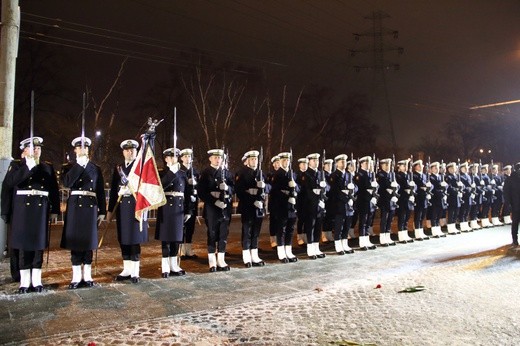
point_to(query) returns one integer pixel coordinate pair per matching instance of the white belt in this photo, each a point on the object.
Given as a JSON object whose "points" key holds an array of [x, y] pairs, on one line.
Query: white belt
{"points": [[83, 193], [32, 192], [174, 194]]}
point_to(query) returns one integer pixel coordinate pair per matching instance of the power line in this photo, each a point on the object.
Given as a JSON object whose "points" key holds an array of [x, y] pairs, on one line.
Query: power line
{"points": [[60, 21], [270, 43]]}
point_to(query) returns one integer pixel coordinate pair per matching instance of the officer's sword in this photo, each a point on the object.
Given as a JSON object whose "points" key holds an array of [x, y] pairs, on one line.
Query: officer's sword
{"points": [[31, 143]]}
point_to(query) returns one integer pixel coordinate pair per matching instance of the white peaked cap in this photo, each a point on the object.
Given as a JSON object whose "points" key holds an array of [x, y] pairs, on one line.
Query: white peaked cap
{"points": [[37, 141], [76, 142], [340, 157], [129, 144]]}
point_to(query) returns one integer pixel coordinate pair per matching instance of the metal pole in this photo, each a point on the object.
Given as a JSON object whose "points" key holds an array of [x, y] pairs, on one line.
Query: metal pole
{"points": [[8, 52]]}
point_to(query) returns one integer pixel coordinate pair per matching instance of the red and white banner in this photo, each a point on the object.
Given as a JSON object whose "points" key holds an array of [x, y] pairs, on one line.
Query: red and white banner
{"points": [[145, 183]]}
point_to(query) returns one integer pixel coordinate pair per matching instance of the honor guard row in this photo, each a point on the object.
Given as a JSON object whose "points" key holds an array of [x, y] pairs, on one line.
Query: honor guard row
{"points": [[322, 204]]}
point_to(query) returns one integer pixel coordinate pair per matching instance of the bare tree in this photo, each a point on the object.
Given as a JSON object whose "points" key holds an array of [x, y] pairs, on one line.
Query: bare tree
{"points": [[215, 96]]}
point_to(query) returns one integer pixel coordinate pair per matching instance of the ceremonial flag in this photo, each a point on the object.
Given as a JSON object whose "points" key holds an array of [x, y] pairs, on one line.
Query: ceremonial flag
{"points": [[144, 182]]}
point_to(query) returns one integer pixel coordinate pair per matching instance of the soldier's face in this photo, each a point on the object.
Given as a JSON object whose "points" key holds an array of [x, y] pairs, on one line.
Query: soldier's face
{"points": [[170, 160], [284, 163], [81, 151], [252, 162], [276, 165], [401, 168], [340, 164], [483, 171], [327, 167], [215, 160], [186, 159], [302, 166], [37, 152], [385, 167], [313, 163], [451, 170], [434, 169], [507, 172], [130, 154], [364, 165], [463, 169], [418, 168]]}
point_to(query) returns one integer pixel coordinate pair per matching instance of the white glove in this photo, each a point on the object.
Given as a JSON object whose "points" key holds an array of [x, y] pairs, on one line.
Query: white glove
{"points": [[459, 195], [394, 184], [428, 184], [100, 219], [323, 184], [193, 199], [220, 204], [260, 184], [223, 186], [389, 191], [482, 182], [408, 191], [316, 191], [493, 182], [292, 200], [411, 183], [82, 160], [472, 196], [373, 201], [500, 188], [444, 184], [174, 168], [473, 185], [192, 181], [186, 217], [123, 190], [460, 184], [215, 194], [321, 204], [350, 186], [445, 198], [259, 204], [370, 191], [345, 192], [53, 218], [292, 183], [394, 199], [412, 199], [350, 203], [374, 184], [428, 197], [30, 162], [252, 191]]}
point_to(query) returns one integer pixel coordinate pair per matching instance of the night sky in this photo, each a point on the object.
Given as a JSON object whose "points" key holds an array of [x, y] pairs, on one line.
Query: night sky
{"points": [[457, 54]]}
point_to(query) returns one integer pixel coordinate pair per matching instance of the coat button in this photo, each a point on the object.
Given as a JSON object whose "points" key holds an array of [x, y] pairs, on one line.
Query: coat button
{"points": [[80, 205]]}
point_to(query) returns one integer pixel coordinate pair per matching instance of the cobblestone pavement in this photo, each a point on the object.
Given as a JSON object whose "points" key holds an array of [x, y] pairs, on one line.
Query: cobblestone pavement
{"points": [[470, 298]]}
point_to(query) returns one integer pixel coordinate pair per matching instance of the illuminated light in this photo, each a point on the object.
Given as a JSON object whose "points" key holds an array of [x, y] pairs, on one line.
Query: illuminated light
{"points": [[98, 133], [481, 151]]}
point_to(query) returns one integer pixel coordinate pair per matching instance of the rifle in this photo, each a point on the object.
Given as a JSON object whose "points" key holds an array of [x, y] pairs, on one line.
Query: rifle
{"points": [[260, 212], [292, 190], [323, 195], [409, 179], [222, 195], [460, 189], [394, 180], [194, 189], [428, 190]]}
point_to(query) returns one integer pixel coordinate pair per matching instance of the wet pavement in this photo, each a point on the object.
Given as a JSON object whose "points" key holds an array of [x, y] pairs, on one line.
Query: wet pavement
{"points": [[470, 297]]}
